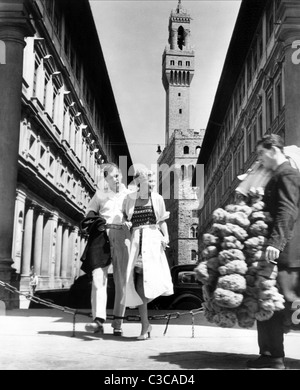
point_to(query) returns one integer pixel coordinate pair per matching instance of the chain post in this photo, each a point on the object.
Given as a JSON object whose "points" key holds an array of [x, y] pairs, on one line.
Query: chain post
{"points": [[193, 324], [74, 321]]}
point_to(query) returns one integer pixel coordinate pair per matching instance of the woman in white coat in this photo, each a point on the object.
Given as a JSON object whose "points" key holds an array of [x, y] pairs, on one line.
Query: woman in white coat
{"points": [[148, 273]]}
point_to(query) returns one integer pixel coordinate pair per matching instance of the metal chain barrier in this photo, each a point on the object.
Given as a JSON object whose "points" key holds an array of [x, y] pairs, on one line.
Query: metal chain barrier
{"points": [[129, 318]]}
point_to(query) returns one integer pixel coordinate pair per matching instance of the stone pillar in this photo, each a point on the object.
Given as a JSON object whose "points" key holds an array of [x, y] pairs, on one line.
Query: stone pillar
{"points": [[14, 26], [83, 243], [27, 248], [73, 253], [58, 249], [65, 251], [174, 37], [38, 242], [187, 36], [18, 230], [48, 247]]}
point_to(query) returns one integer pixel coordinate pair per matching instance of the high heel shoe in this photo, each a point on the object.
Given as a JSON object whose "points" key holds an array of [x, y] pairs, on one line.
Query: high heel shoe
{"points": [[146, 335]]}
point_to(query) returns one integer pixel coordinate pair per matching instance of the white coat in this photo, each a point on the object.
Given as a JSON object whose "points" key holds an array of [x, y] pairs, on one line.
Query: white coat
{"points": [[157, 277]]}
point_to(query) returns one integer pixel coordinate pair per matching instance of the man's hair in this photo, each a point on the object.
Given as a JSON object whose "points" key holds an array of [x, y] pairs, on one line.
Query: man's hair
{"points": [[108, 167], [270, 140], [143, 172]]}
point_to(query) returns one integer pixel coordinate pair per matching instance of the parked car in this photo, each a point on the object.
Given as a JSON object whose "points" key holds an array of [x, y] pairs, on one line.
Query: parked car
{"points": [[187, 292]]}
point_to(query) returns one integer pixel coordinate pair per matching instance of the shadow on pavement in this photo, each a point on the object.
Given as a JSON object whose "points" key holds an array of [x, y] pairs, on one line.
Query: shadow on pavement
{"points": [[204, 360], [82, 335]]}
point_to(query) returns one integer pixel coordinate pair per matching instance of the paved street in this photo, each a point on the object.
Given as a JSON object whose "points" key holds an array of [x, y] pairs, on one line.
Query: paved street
{"points": [[41, 339]]}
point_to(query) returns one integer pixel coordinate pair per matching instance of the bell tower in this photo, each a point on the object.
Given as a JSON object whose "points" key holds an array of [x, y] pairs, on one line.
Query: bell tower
{"points": [[178, 71]]}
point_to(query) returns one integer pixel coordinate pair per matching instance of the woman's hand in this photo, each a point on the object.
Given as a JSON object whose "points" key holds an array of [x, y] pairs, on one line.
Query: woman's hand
{"points": [[127, 225], [165, 242]]}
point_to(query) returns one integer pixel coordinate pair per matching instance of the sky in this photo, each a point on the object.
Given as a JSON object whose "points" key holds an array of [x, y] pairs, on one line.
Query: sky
{"points": [[133, 35]]}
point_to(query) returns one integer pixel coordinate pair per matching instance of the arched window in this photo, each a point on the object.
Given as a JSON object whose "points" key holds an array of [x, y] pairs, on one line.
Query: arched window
{"points": [[192, 232], [190, 170], [179, 63], [180, 41], [198, 148], [183, 174], [186, 150], [2, 53]]}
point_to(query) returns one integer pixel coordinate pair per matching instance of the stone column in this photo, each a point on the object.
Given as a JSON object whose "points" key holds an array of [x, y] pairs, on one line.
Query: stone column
{"points": [[58, 249], [48, 247], [65, 251], [18, 230], [27, 248], [38, 242], [73, 253], [187, 35], [14, 26], [174, 37]]}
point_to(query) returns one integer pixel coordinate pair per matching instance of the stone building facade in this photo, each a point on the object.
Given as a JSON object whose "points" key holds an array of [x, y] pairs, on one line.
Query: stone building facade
{"points": [[60, 123], [257, 94], [182, 145]]}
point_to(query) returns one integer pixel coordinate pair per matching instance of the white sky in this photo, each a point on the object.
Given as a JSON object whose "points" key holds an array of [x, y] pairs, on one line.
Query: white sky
{"points": [[133, 35]]}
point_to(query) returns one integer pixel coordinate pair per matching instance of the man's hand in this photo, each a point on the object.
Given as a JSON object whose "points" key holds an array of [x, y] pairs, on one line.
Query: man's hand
{"points": [[272, 254]]}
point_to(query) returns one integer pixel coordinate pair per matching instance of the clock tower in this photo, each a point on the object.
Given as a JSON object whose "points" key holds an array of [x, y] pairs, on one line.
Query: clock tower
{"points": [[178, 71]]}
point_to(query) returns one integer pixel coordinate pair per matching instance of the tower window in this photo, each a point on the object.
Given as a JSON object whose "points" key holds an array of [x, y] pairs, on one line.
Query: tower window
{"points": [[179, 63], [172, 62], [179, 94], [180, 41], [188, 63], [186, 150], [180, 110]]}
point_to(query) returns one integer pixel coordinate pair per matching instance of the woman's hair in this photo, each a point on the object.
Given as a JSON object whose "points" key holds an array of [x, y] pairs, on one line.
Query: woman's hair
{"points": [[270, 140], [109, 167]]}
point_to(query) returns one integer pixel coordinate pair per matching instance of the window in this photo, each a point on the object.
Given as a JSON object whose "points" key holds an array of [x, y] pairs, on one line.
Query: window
{"points": [[183, 174], [180, 41], [249, 144], [179, 94], [180, 110], [186, 150], [179, 63], [194, 231], [188, 63], [260, 126], [269, 110], [172, 62], [278, 97], [270, 20]]}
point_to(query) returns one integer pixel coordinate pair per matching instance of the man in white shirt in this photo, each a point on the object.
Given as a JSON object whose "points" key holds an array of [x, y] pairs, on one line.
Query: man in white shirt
{"points": [[107, 203]]}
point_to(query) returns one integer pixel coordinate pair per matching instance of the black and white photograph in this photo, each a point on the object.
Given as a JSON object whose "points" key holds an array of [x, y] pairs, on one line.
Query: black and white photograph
{"points": [[150, 187]]}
